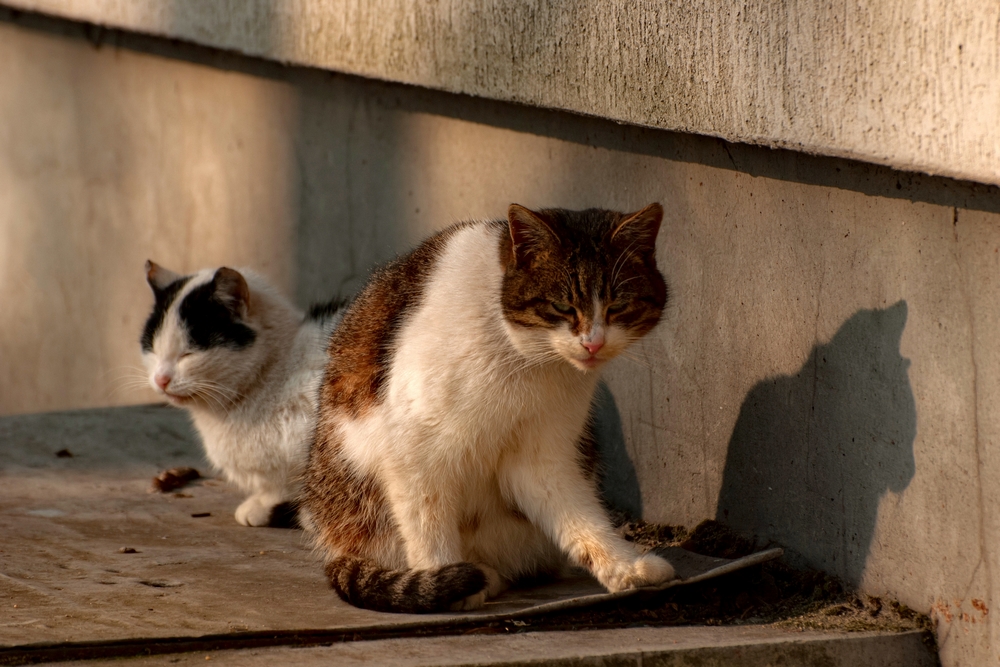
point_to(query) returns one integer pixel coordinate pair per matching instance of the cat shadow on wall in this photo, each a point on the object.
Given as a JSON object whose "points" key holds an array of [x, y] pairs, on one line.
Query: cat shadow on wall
{"points": [[812, 454]]}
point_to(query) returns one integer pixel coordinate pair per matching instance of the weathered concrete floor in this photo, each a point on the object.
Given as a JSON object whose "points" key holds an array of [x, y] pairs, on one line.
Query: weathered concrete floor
{"points": [[196, 580]]}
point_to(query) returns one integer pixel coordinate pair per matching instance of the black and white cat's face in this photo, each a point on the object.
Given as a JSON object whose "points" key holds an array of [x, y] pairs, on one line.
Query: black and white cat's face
{"points": [[581, 285], [198, 341]]}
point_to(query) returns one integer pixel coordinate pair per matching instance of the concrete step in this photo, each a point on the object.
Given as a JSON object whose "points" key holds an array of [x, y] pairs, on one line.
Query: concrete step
{"points": [[641, 647]]}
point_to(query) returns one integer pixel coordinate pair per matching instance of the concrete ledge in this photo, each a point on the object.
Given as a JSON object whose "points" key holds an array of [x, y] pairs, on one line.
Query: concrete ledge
{"points": [[909, 85], [641, 647]]}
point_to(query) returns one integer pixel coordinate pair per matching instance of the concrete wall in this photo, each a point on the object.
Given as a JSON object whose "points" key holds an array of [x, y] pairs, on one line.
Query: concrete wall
{"points": [[913, 85], [826, 376]]}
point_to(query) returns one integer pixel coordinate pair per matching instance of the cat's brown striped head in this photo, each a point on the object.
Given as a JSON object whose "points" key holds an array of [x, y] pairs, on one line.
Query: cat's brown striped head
{"points": [[581, 285]]}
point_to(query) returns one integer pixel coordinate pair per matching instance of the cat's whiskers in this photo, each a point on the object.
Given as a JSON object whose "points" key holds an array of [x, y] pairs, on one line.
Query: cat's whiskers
{"points": [[222, 396], [620, 262], [219, 403], [213, 399], [637, 359], [542, 360], [566, 274], [123, 373], [132, 368], [129, 378], [627, 281], [223, 389], [121, 387], [515, 368], [132, 381], [537, 354]]}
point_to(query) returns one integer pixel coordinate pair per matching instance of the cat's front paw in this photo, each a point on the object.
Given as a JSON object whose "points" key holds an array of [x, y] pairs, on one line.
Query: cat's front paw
{"points": [[647, 570], [254, 512]]}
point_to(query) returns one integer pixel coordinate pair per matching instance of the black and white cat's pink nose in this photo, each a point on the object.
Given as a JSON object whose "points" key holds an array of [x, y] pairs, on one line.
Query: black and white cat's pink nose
{"points": [[162, 380]]}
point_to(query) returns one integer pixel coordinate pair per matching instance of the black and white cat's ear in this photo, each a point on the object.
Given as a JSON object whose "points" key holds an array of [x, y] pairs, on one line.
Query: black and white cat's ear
{"points": [[637, 231], [529, 231], [158, 277], [232, 291]]}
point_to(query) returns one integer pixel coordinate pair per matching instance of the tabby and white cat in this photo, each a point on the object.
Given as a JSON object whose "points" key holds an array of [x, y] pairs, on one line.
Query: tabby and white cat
{"points": [[246, 364], [452, 450]]}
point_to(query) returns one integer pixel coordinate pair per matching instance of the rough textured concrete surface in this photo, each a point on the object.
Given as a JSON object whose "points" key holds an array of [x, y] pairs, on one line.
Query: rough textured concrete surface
{"points": [[913, 85], [826, 375], [632, 647], [90, 554], [93, 564]]}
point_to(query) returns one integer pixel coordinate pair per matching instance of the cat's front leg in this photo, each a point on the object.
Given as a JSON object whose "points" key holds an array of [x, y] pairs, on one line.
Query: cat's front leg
{"points": [[427, 514], [267, 493], [552, 491]]}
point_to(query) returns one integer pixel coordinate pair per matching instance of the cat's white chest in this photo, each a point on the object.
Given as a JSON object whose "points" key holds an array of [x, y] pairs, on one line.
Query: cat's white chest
{"points": [[268, 436], [456, 383]]}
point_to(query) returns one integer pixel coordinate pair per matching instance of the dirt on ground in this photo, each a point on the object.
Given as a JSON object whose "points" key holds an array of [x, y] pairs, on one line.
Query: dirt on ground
{"points": [[772, 593]]}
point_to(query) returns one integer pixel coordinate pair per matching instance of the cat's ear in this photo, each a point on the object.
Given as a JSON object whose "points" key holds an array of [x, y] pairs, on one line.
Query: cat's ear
{"points": [[529, 232], [158, 277], [637, 231], [232, 291]]}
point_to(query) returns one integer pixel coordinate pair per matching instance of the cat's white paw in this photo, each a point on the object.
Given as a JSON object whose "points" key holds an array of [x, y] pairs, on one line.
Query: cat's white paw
{"points": [[254, 512], [647, 570]]}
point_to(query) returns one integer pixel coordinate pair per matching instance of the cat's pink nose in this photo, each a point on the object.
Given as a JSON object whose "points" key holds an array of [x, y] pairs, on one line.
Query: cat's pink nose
{"points": [[594, 346], [162, 381]]}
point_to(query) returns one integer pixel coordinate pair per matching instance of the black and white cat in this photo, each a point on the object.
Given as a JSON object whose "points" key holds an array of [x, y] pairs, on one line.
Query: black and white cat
{"points": [[245, 363], [452, 453]]}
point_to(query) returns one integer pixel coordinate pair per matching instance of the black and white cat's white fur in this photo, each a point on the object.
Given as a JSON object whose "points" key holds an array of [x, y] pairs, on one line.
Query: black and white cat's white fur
{"points": [[245, 363]]}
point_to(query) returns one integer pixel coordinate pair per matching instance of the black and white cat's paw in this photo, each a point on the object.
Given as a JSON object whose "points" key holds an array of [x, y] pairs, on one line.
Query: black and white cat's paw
{"points": [[256, 510], [646, 570]]}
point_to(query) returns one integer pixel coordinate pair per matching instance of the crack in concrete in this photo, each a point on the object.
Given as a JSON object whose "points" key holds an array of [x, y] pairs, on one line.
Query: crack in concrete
{"points": [[815, 377], [983, 559]]}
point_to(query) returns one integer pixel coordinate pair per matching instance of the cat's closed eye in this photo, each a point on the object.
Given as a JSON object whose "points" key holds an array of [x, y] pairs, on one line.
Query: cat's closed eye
{"points": [[563, 308], [616, 307]]}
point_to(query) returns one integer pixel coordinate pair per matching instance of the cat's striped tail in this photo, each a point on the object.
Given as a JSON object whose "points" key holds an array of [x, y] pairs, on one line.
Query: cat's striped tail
{"points": [[366, 584]]}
